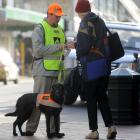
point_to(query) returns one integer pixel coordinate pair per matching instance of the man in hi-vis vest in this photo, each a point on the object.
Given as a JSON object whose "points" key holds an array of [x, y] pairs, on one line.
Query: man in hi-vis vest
{"points": [[48, 44]]}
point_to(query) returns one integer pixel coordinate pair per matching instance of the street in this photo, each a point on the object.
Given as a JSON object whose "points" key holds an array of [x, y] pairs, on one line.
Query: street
{"points": [[70, 115], [10, 93], [74, 121], [63, 28]]}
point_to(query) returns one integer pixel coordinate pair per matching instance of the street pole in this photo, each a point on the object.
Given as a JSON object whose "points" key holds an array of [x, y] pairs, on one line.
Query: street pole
{"points": [[22, 57]]}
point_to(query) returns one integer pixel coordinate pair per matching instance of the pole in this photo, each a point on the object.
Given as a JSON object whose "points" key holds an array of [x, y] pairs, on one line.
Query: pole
{"points": [[22, 57]]}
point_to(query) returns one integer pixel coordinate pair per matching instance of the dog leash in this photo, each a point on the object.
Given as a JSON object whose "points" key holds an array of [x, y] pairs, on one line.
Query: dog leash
{"points": [[61, 73]]}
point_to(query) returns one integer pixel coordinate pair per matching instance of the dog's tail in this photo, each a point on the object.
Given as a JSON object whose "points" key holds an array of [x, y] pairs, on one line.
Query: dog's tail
{"points": [[11, 114]]}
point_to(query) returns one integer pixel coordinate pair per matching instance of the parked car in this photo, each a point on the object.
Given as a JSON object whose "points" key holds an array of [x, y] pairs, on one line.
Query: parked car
{"points": [[8, 69], [130, 38]]}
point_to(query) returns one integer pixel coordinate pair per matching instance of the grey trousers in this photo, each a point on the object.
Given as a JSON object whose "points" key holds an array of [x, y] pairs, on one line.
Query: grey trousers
{"points": [[41, 84]]}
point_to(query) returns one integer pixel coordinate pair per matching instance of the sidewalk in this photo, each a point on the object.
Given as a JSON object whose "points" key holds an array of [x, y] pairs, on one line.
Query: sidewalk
{"points": [[25, 79], [73, 131]]}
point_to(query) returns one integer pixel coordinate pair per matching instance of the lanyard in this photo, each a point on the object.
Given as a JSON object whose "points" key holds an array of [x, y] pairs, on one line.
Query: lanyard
{"points": [[61, 73]]}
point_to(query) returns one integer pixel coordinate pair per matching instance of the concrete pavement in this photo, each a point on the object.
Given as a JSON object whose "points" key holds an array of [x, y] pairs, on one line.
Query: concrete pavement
{"points": [[73, 131]]}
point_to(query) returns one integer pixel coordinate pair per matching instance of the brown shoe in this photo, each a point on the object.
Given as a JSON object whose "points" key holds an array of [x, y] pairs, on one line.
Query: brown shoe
{"points": [[111, 132], [93, 135]]}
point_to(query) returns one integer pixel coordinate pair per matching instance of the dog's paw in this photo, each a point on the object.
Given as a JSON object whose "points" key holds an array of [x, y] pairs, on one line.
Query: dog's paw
{"points": [[59, 135], [23, 134]]}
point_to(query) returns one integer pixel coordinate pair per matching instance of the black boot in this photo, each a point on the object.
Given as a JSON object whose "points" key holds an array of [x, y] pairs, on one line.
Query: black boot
{"points": [[59, 135], [29, 133]]}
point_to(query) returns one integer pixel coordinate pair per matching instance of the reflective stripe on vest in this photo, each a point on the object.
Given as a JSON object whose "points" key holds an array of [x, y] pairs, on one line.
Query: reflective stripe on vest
{"points": [[45, 99], [53, 36]]}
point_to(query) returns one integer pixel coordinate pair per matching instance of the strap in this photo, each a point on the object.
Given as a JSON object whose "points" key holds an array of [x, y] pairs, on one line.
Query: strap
{"points": [[97, 51], [108, 30], [35, 59], [61, 74], [50, 57]]}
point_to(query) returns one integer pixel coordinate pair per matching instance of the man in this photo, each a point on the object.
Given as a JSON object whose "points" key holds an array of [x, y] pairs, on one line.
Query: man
{"points": [[48, 44], [92, 36]]}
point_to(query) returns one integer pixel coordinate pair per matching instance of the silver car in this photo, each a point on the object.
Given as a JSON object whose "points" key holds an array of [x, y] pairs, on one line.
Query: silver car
{"points": [[130, 38]]}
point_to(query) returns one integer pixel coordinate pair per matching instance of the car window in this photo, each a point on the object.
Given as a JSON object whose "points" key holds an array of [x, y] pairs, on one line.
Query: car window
{"points": [[129, 38]]}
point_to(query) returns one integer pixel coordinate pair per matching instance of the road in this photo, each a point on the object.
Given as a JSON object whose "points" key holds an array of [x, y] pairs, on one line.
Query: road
{"points": [[70, 115], [73, 118], [9, 94]]}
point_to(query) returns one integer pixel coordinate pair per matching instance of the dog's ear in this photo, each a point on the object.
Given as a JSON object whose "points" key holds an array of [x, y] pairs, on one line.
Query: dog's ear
{"points": [[58, 85]]}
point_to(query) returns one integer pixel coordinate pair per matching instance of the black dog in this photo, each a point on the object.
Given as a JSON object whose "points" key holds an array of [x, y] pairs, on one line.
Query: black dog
{"points": [[27, 102]]}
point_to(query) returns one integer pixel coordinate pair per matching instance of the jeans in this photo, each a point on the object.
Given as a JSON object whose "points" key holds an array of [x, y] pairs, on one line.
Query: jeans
{"points": [[96, 94], [41, 84]]}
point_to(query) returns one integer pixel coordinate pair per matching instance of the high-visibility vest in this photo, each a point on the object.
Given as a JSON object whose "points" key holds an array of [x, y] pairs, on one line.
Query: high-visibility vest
{"points": [[53, 35], [45, 99]]}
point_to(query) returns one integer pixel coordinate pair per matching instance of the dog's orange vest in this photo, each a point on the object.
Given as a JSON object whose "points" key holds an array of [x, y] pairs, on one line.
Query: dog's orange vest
{"points": [[45, 99]]}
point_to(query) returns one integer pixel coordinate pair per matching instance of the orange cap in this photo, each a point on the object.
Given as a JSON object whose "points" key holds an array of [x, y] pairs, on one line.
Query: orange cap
{"points": [[55, 9]]}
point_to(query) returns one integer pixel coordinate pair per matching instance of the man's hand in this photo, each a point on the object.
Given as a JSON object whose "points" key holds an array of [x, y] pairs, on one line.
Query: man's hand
{"points": [[67, 46], [70, 45]]}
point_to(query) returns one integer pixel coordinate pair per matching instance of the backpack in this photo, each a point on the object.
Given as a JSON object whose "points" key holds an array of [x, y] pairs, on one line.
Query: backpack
{"points": [[100, 41], [96, 63]]}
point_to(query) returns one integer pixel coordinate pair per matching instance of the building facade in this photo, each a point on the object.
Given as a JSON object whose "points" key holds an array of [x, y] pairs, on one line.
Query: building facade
{"points": [[118, 10], [41, 6], [30, 12]]}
